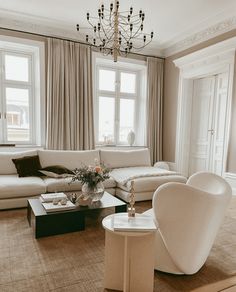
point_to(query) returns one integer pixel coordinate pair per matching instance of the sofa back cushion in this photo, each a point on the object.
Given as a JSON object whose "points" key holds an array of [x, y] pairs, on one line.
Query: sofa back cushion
{"points": [[6, 164], [129, 158], [68, 159]]}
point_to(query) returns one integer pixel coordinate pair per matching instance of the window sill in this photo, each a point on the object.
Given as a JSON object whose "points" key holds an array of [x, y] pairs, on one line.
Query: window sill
{"points": [[18, 147], [120, 146]]}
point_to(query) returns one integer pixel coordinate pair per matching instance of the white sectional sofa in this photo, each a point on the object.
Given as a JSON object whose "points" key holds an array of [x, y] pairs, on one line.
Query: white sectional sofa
{"points": [[14, 190]]}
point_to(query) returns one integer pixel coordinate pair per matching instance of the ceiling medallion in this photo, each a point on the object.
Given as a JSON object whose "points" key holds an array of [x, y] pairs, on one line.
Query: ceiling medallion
{"points": [[116, 32]]}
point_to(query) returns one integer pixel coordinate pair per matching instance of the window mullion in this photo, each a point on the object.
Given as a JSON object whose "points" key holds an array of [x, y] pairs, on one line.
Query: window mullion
{"points": [[117, 108]]}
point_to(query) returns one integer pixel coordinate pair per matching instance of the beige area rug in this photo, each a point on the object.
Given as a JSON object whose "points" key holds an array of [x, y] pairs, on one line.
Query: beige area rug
{"points": [[75, 261], [228, 285]]}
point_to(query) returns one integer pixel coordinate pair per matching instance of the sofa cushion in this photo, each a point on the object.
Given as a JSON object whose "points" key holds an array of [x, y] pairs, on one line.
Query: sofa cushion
{"points": [[12, 186], [6, 164], [150, 184], [117, 158], [63, 185], [68, 159]]}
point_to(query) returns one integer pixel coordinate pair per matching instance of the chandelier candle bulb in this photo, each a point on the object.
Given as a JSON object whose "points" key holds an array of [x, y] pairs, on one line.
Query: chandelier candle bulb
{"points": [[117, 33]]}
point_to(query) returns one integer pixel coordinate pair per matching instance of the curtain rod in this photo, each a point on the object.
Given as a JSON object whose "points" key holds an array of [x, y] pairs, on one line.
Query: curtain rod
{"points": [[66, 39]]}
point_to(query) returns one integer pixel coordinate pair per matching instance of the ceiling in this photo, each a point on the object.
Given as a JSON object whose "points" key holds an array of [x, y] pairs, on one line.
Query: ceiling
{"points": [[176, 23]]}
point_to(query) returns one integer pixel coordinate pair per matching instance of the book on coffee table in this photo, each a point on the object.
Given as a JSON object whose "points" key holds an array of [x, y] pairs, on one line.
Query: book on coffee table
{"points": [[49, 207], [139, 223], [51, 196]]}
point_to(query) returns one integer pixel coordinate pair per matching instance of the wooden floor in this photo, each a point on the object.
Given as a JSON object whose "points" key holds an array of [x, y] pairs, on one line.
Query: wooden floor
{"points": [[75, 262]]}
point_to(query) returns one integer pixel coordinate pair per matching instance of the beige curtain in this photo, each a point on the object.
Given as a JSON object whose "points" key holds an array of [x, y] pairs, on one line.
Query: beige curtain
{"points": [[155, 107], [69, 101]]}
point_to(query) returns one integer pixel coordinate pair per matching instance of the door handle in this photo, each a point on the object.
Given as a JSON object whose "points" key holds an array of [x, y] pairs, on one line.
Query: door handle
{"points": [[212, 131]]}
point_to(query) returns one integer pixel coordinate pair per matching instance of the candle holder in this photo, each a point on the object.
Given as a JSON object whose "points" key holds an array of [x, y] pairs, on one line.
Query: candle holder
{"points": [[131, 208]]}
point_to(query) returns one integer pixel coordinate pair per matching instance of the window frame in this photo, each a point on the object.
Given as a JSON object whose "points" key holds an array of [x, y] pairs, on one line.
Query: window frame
{"points": [[28, 85], [34, 51], [117, 95]]}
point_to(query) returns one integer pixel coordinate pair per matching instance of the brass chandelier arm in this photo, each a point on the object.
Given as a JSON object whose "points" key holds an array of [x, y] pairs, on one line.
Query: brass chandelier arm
{"points": [[140, 48]]}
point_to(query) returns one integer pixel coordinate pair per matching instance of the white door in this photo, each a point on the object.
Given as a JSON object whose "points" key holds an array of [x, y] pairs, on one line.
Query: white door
{"points": [[200, 143], [208, 124], [219, 121]]}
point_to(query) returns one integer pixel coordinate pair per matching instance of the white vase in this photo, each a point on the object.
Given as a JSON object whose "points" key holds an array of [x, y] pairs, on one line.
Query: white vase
{"points": [[131, 138]]}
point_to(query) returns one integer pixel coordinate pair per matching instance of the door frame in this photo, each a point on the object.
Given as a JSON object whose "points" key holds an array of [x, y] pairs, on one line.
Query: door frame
{"points": [[216, 59]]}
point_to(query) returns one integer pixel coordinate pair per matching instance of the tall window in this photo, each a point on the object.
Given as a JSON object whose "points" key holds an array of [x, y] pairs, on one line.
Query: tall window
{"points": [[19, 117], [119, 106]]}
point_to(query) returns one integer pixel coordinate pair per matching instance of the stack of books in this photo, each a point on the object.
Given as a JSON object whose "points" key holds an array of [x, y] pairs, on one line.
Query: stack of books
{"points": [[48, 199], [140, 223]]}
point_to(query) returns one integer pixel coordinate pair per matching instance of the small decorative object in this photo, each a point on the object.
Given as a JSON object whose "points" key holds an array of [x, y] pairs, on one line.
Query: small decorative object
{"points": [[131, 209], [131, 137], [63, 202], [73, 198], [55, 201], [84, 200], [91, 178]]}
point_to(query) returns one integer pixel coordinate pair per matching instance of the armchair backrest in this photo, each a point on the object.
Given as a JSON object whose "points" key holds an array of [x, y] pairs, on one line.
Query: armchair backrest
{"points": [[189, 217]]}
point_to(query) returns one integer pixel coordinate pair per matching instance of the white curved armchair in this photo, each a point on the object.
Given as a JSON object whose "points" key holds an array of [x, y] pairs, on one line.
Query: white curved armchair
{"points": [[188, 217]]}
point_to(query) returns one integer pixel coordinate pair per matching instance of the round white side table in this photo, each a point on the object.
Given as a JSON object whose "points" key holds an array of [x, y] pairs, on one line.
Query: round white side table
{"points": [[129, 258]]}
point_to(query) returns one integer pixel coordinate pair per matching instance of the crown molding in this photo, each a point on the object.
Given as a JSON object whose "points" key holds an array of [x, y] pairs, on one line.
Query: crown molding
{"points": [[54, 28], [38, 25], [47, 27], [204, 35]]}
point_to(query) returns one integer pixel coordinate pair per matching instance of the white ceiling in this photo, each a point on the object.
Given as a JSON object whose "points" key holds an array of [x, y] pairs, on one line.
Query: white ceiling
{"points": [[171, 20]]}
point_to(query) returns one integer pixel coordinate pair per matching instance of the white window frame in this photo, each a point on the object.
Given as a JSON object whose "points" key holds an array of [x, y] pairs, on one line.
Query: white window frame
{"points": [[34, 51], [120, 67]]}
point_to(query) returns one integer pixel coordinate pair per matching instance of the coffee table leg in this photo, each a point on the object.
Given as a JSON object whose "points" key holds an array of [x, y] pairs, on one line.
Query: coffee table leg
{"points": [[29, 214], [120, 209]]}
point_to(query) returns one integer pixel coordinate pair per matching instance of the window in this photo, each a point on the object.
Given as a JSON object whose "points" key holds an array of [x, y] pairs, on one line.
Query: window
{"points": [[20, 106], [119, 102]]}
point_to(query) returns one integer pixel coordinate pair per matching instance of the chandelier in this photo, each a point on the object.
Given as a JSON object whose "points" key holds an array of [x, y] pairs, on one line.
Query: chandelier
{"points": [[116, 32]]}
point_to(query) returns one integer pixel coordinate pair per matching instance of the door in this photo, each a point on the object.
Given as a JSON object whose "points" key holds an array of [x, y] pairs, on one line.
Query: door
{"points": [[201, 125], [219, 122], [208, 124]]}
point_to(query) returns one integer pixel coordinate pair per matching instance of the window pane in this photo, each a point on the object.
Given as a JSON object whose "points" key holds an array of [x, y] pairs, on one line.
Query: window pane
{"points": [[16, 68], [128, 82], [126, 118], [107, 80], [17, 101], [106, 120]]}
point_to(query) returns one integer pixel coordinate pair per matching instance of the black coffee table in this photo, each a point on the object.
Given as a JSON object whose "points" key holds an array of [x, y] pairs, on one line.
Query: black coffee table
{"points": [[46, 224]]}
